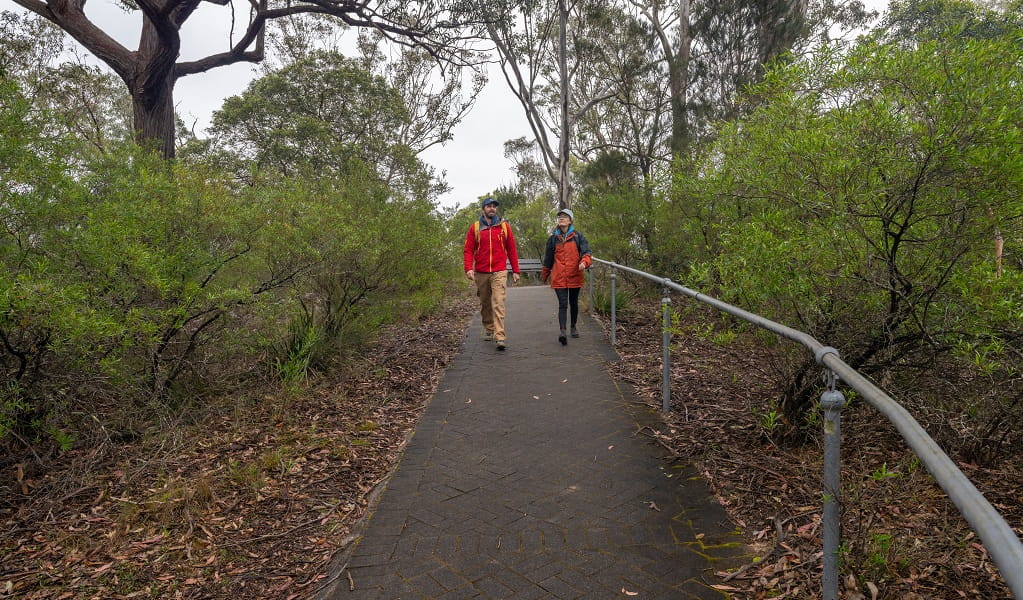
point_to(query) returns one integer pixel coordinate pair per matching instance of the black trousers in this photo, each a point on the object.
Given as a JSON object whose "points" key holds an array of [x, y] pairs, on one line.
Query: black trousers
{"points": [[568, 301]]}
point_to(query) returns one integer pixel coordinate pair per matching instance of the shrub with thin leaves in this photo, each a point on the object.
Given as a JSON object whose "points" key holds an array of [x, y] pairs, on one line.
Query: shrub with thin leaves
{"points": [[127, 277], [862, 201]]}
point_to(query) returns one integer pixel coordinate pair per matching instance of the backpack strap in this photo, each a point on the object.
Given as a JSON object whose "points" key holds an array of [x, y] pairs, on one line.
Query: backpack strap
{"points": [[505, 230]]}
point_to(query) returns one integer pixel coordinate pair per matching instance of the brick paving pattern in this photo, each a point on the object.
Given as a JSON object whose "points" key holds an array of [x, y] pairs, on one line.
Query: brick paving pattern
{"points": [[529, 476]]}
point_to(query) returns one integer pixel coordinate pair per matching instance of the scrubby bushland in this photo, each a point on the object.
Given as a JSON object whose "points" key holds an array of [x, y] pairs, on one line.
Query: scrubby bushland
{"points": [[129, 284], [874, 201], [617, 210], [369, 258]]}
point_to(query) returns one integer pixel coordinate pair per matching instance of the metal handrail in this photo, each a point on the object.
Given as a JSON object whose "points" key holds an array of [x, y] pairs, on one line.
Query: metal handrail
{"points": [[1001, 541]]}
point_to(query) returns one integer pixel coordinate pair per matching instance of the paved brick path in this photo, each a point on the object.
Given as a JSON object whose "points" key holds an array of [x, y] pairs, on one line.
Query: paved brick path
{"points": [[529, 477]]}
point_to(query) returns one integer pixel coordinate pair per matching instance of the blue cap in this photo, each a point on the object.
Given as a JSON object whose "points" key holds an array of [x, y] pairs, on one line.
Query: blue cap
{"points": [[489, 200]]}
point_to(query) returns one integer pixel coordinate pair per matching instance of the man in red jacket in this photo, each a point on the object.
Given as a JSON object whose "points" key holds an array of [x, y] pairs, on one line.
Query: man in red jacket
{"points": [[489, 247]]}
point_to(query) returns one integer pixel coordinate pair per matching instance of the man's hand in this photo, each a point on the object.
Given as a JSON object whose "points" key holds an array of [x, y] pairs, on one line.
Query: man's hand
{"points": [[515, 277], [470, 275]]}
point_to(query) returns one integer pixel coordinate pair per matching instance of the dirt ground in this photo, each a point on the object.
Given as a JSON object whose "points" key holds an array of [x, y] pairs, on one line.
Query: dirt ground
{"points": [[254, 499]]}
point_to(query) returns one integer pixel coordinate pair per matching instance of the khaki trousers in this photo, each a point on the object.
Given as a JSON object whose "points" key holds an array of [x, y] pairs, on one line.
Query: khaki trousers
{"points": [[492, 288]]}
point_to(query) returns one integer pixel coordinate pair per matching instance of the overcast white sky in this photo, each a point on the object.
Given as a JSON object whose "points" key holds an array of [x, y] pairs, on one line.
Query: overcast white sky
{"points": [[473, 161]]}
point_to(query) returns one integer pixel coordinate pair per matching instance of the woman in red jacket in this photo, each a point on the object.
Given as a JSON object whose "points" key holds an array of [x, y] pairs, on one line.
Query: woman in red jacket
{"points": [[566, 257]]}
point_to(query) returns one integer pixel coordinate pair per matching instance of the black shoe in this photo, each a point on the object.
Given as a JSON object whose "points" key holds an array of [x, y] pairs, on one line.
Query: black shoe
{"points": [[575, 332], [501, 345], [563, 339]]}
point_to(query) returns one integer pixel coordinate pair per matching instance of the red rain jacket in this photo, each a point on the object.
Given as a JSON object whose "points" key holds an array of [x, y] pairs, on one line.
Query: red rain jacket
{"points": [[562, 257], [489, 248]]}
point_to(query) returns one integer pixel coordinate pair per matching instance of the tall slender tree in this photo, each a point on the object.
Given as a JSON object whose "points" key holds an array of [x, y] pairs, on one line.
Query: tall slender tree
{"points": [[564, 183], [539, 60]]}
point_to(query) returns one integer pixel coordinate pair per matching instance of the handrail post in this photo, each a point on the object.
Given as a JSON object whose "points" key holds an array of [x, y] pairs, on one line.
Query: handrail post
{"points": [[614, 304], [832, 403], [666, 359], [1000, 539], [590, 273]]}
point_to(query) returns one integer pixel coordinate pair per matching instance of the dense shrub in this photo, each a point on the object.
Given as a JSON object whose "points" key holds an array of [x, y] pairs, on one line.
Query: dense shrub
{"points": [[128, 283], [861, 203]]}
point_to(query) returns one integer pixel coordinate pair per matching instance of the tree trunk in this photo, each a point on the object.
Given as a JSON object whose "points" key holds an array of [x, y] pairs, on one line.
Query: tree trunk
{"points": [[678, 79], [153, 108], [999, 245], [563, 175], [151, 85]]}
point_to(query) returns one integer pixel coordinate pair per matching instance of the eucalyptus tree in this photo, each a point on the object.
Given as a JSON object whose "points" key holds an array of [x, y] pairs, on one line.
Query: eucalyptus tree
{"points": [[630, 120], [553, 58], [712, 49], [436, 99], [644, 78], [523, 49], [28, 47], [437, 95], [151, 70], [531, 178], [909, 23]]}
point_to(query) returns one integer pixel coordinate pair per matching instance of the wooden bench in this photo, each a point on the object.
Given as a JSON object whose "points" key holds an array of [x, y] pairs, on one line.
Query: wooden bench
{"points": [[530, 267]]}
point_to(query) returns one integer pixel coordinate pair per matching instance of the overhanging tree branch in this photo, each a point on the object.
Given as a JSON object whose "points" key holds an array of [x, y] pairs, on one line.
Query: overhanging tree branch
{"points": [[70, 17], [441, 28]]}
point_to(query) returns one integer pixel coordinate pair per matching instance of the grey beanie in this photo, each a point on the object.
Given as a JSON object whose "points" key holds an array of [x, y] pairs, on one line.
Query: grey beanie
{"points": [[567, 211]]}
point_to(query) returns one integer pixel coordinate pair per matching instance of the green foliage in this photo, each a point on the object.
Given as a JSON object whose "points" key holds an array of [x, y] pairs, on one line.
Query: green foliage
{"points": [[510, 199], [860, 203], [373, 258], [770, 421], [85, 104], [882, 473], [293, 364], [127, 281], [880, 552], [616, 211], [122, 275], [602, 298], [246, 475], [323, 115], [533, 220], [908, 22], [12, 406]]}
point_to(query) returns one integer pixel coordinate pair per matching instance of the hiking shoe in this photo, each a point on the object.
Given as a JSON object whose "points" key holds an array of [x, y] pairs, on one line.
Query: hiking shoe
{"points": [[488, 336], [575, 332], [562, 338], [501, 345]]}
